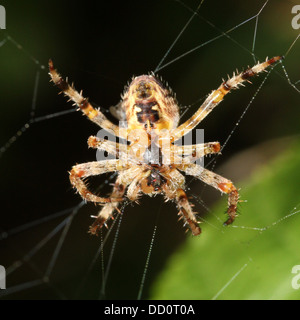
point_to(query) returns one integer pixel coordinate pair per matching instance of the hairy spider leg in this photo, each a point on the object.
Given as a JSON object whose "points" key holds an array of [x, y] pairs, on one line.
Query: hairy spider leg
{"points": [[93, 114], [123, 180], [174, 190], [218, 182], [218, 95], [196, 151], [84, 170]]}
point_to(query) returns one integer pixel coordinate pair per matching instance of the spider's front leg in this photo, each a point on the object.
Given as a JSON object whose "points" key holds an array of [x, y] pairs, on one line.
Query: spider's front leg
{"points": [[84, 170], [222, 184], [218, 95], [93, 114]]}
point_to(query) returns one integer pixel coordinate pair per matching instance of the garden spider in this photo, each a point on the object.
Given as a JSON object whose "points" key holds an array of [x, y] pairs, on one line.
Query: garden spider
{"points": [[152, 116]]}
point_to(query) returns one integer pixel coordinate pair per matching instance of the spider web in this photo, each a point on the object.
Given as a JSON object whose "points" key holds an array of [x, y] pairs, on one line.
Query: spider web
{"points": [[45, 247]]}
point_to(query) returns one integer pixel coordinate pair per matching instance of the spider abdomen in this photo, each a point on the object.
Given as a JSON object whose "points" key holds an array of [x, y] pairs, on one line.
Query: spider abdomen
{"points": [[147, 111], [148, 104]]}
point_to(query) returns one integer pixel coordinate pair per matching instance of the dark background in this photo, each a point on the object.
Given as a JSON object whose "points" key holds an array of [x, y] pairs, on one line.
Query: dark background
{"points": [[100, 46]]}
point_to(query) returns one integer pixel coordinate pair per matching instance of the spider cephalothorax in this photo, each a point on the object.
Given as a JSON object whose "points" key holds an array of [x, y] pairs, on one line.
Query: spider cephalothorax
{"points": [[151, 163]]}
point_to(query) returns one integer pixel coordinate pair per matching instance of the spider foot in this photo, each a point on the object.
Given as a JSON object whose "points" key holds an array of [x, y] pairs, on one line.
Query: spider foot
{"points": [[192, 224], [229, 221], [231, 211], [97, 225]]}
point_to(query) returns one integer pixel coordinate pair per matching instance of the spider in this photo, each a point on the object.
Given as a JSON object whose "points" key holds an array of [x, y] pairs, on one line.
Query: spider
{"points": [[152, 116]]}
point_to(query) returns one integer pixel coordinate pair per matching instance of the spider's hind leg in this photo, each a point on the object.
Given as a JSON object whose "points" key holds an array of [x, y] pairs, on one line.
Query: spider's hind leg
{"points": [[185, 209], [123, 180], [108, 209], [187, 212], [220, 183]]}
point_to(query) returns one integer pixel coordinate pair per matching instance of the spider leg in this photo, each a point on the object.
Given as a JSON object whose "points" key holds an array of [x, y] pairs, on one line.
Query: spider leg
{"points": [[173, 190], [93, 114], [124, 179], [217, 96], [88, 169], [108, 209], [220, 183], [135, 186], [119, 150], [196, 151], [187, 211]]}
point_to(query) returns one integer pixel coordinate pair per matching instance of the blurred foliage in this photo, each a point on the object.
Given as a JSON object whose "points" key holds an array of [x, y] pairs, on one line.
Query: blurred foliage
{"points": [[240, 263]]}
